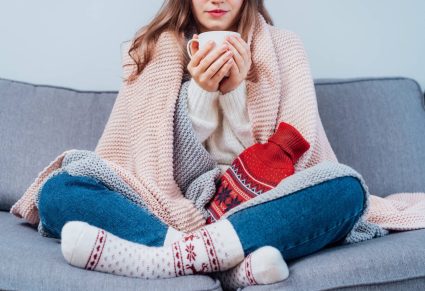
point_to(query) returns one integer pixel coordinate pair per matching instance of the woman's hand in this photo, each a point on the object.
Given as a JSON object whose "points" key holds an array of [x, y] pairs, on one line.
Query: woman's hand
{"points": [[241, 66], [208, 66]]}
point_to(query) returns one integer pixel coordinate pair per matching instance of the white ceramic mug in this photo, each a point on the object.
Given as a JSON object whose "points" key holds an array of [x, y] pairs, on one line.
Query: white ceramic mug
{"points": [[218, 36]]}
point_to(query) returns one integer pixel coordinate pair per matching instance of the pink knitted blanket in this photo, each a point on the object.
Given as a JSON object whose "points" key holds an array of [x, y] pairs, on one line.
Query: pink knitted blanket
{"points": [[137, 141]]}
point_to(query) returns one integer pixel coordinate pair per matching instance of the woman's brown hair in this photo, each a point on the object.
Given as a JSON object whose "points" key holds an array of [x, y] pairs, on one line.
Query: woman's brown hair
{"points": [[176, 16]]}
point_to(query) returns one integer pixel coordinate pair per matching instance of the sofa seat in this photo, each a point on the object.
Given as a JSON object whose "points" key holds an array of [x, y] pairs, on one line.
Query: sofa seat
{"points": [[397, 259], [392, 262]]}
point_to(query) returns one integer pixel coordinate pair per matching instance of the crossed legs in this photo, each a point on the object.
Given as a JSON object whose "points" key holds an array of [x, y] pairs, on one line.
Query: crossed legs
{"points": [[104, 228]]}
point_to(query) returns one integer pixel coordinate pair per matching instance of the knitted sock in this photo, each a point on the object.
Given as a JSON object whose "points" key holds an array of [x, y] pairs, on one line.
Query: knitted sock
{"points": [[209, 249], [258, 169], [173, 235], [263, 266]]}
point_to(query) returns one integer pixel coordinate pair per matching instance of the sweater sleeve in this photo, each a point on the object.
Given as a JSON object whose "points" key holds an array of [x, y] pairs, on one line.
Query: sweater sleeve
{"points": [[202, 110], [234, 107]]}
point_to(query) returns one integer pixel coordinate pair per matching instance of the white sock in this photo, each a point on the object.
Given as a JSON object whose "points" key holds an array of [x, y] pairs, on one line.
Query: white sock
{"points": [[263, 266], [172, 235], [212, 248]]}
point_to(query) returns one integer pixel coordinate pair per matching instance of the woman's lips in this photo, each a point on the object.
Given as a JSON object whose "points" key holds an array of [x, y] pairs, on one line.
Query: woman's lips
{"points": [[217, 13]]}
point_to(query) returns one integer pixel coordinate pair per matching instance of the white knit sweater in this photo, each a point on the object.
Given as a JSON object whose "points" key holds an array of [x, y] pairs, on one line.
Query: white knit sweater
{"points": [[221, 121]]}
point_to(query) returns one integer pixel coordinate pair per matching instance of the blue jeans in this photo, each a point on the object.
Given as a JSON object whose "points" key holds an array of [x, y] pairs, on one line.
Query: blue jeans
{"points": [[304, 221], [64, 198], [297, 224]]}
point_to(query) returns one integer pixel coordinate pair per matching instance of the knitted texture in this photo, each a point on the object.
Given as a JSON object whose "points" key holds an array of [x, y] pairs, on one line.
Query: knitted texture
{"points": [[221, 121], [258, 169], [398, 211], [137, 142]]}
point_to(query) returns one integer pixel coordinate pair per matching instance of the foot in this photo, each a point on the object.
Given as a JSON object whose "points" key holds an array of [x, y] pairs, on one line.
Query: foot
{"points": [[212, 248], [263, 266]]}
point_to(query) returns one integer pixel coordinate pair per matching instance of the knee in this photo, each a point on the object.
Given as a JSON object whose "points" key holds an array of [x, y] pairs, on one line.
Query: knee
{"points": [[54, 185], [349, 205], [50, 191], [60, 188], [350, 194], [60, 196], [49, 203]]}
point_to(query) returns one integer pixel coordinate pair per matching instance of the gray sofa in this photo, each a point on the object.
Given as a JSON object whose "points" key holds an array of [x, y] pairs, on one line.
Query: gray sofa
{"points": [[375, 125]]}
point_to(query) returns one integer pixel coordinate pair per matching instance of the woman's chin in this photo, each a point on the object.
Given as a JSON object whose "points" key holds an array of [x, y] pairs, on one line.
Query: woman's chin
{"points": [[217, 27]]}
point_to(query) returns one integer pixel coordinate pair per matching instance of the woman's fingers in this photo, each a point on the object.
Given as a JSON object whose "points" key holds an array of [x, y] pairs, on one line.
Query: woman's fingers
{"points": [[211, 57], [194, 45], [246, 53], [213, 70], [209, 65], [223, 70], [235, 47], [237, 57], [201, 54]]}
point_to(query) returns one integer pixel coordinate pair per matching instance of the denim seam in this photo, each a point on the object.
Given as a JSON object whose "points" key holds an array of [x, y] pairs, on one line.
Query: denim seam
{"points": [[327, 231]]}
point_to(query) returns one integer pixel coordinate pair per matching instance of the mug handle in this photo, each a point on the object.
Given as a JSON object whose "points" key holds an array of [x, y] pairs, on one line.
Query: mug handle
{"points": [[189, 43]]}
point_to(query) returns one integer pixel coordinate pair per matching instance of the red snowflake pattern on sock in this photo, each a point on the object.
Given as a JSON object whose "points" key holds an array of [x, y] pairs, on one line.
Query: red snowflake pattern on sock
{"points": [[198, 255]]}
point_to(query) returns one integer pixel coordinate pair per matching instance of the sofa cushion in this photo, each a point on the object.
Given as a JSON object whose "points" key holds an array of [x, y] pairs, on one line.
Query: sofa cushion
{"points": [[32, 262], [377, 126], [392, 262], [39, 122]]}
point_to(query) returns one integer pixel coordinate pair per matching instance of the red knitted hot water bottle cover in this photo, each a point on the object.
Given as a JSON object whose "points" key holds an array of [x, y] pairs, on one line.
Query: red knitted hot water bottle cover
{"points": [[258, 169]]}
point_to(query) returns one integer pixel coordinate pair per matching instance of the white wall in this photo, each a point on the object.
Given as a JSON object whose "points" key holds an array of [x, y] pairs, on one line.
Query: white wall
{"points": [[77, 43]]}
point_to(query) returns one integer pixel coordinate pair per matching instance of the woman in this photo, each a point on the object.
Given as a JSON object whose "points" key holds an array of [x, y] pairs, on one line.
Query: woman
{"points": [[102, 230]]}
